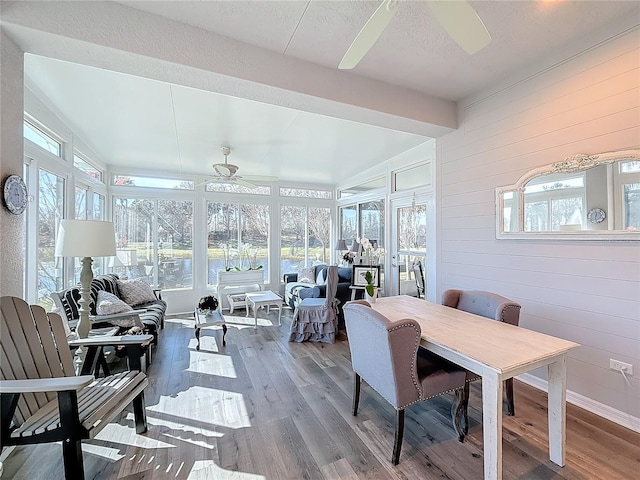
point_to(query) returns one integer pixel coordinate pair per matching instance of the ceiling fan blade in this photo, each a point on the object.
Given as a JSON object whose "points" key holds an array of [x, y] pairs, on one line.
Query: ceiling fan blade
{"points": [[462, 23], [369, 34], [222, 169], [244, 183], [261, 178]]}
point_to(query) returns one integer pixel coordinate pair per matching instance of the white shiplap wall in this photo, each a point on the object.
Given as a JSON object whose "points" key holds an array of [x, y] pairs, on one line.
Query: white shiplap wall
{"points": [[588, 292]]}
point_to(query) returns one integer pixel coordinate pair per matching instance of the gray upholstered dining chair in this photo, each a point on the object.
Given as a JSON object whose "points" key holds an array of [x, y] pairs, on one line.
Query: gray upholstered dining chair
{"points": [[388, 356], [316, 319], [490, 305]]}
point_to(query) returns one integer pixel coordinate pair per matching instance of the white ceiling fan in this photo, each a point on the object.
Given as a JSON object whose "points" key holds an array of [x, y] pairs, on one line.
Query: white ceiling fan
{"points": [[226, 173], [458, 18]]}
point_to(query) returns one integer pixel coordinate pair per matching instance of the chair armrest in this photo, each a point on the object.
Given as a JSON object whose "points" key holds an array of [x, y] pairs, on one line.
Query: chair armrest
{"points": [[317, 291], [45, 384], [290, 277], [112, 316], [122, 319], [112, 341]]}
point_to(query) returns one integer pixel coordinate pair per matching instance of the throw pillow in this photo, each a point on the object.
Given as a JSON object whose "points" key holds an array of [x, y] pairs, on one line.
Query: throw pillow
{"points": [[320, 279], [306, 275], [136, 291], [108, 304]]}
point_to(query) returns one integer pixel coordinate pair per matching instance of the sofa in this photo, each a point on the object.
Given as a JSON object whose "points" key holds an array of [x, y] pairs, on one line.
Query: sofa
{"points": [[152, 314], [295, 291]]}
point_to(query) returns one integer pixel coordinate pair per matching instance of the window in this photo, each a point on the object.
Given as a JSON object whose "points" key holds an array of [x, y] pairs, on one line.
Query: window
{"points": [[412, 177], [372, 221], [237, 238], [412, 243], [235, 188], [363, 220], [175, 244], [156, 237], [133, 219], [81, 203], [305, 193], [83, 165], [41, 139], [50, 273], [304, 237], [98, 206], [349, 224], [152, 182], [374, 184]]}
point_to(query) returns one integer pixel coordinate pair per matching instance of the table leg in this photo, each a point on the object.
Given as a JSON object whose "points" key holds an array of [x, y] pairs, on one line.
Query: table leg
{"points": [[353, 294], [198, 338], [492, 425], [556, 398], [279, 313], [224, 332], [255, 314]]}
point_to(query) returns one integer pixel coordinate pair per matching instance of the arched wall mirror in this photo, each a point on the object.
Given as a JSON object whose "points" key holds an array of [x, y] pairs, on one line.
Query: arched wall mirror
{"points": [[588, 197]]}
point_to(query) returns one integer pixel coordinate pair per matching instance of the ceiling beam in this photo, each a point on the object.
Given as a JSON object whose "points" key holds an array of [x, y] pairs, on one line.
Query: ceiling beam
{"points": [[119, 38]]}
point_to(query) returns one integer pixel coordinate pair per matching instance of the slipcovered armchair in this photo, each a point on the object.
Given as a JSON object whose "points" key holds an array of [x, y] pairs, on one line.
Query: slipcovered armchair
{"points": [[489, 305], [316, 319], [388, 356]]}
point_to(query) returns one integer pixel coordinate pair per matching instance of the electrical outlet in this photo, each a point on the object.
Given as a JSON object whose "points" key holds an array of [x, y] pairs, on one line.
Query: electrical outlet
{"points": [[618, 366]]}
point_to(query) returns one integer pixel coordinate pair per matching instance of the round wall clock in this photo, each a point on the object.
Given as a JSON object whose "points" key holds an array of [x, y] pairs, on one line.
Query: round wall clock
{"points": [[15, 194], [596, 215]]}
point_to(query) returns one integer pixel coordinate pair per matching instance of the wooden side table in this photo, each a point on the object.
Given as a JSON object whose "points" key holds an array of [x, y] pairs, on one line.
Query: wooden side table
{"points": [[211, 319]]}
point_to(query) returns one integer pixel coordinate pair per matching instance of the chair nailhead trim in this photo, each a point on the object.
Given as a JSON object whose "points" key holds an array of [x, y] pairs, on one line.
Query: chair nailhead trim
{"points": [[505, 309], [414, 376]]}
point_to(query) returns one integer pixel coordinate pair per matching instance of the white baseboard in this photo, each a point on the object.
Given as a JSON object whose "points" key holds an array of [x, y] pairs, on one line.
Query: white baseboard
{"points": [[600, 409]]}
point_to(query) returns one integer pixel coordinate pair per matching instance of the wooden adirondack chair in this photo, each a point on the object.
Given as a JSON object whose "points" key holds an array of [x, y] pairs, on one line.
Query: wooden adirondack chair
{"points": [[42, 399]]}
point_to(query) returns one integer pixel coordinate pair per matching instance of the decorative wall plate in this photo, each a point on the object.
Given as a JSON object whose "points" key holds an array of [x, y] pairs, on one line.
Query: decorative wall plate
{"points": [[596, 215], [15, 194]]}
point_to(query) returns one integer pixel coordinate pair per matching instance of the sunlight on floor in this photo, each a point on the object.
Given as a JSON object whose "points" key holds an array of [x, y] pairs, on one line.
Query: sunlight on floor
{"points": [[209, 470], [242, 322], [201, 404], [203, 362], [123, 434]]}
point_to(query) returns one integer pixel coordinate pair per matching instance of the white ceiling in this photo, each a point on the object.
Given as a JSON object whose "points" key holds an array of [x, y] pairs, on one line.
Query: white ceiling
{"points": [[152, 124]]}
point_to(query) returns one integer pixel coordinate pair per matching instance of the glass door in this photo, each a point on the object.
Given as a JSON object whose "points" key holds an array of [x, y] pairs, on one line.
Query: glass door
{"points": [[409, 247]]}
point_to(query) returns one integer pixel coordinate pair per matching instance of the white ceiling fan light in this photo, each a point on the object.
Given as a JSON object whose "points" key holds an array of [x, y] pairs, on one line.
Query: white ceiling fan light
{"points": [[458, 18]]}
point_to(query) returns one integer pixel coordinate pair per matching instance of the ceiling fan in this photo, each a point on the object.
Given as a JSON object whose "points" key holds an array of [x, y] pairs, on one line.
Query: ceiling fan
{"points": [[458, 18], [226, 173]]}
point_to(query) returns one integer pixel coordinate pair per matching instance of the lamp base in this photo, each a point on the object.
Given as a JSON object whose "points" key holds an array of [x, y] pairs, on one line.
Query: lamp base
{"points": [[84, 322]]}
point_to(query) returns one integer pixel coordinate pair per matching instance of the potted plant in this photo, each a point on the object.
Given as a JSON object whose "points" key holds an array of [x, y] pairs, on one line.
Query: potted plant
{"points": [[369, 289], [207, 304]]}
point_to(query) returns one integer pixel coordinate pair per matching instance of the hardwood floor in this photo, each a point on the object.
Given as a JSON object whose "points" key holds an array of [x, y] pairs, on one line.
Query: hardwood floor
{"points": [[264, 408]]}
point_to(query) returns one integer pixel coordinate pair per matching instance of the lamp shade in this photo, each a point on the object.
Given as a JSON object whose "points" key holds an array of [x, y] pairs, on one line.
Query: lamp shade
{"points": [[355, 246], [341, 245], [86, 238]]}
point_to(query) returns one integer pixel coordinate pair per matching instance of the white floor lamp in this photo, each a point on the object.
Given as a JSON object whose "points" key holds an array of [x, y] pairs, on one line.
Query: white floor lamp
{"points": [[85, 239]]}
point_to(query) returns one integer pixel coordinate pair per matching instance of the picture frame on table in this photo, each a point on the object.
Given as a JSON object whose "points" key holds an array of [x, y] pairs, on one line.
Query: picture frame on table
{"points": [[358, 275]]}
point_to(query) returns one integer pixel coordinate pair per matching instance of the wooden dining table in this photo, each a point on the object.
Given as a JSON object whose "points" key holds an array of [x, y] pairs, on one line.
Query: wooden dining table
{"points": [[496, 351]]}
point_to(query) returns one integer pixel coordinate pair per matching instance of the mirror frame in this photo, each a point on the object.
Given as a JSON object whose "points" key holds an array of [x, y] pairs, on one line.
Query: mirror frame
{"points": [[574, 163]]}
